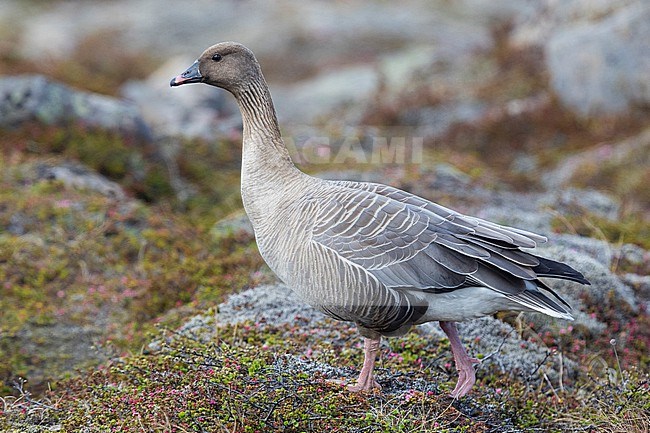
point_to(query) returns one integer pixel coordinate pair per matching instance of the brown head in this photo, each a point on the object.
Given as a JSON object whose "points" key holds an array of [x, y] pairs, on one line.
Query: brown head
{"points": [[228, 65]]}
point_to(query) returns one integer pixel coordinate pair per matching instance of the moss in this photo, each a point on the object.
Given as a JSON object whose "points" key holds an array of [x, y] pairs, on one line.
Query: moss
{"points": [[631, 228], [202, 182], [130, 161], [241, 381], [625, 177], [213, 170], [77, 258]]}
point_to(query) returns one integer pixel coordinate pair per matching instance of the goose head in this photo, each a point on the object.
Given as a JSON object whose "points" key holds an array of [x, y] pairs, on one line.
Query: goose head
{"points": [[228, 65]]}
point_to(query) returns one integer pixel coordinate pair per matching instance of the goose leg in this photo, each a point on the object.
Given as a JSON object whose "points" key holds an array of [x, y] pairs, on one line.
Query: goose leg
{"points": [[464, 364], [366, 381]]}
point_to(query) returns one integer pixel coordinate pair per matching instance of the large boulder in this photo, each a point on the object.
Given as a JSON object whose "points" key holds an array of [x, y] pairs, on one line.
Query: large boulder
{"points": [[75, 175], [26, 98], [603, 67]]}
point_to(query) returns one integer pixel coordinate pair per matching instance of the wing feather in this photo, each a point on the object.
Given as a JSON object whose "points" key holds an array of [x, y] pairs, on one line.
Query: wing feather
{"points": [[421, 272], [451, 259], [518, 237], [508, 252], [462, 247]]}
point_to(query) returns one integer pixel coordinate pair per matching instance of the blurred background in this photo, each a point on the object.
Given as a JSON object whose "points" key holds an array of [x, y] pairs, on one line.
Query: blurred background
{"points": [[119, 198]]}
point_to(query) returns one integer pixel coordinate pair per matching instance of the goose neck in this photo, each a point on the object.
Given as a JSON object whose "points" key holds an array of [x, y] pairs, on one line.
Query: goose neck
{"points": [[266, 162], [258, 114], [262, 140]]}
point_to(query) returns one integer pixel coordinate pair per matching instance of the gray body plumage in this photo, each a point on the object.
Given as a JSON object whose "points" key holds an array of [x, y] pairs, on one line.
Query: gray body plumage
{"points": [[386, 259]]}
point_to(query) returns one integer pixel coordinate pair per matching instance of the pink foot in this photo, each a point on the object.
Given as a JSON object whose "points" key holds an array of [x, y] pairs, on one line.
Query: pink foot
{"points": [[464, 364], [368, 386], [466, 377], [366, 381]]}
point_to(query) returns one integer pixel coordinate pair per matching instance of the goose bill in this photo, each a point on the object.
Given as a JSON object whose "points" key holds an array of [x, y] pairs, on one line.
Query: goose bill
{"points": [[191, 75]]}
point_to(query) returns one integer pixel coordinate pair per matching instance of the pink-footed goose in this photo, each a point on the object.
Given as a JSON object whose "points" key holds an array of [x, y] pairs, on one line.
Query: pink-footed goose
{"points": [[368, 253]]}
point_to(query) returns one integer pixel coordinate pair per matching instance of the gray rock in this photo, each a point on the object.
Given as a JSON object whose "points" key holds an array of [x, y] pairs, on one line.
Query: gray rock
{"points": [[596, 270], [525, 163], [633, 255], [433, 122], [275, 305], [310, 99], [593, 258], [450, 176], [603, 67], [18, 223], [503, 349], [306, 35], [60, 347], [292, 363], [321, 55], [74, 175], [237, 224], [34, 97], [198, 328], [532, 221], [597, 249], [268, 305], [568, 201], [641, 286], [521, 210], [392, 384], [496, 12], [346, 90]]}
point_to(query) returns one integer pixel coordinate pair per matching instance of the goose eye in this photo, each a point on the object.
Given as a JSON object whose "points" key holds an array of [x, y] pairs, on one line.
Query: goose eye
{"points": [[216, 57]]}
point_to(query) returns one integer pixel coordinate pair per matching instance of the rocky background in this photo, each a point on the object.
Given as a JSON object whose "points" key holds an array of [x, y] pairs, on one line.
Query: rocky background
{"points": [[133, 297]]}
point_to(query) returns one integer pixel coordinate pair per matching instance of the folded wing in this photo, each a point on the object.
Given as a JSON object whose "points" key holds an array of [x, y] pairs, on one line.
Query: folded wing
{"points": [[407, 242]]}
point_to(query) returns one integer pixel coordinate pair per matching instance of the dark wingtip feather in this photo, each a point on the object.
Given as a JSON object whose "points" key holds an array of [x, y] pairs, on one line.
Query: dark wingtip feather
{"points": [[553, 292], [552, 269]]}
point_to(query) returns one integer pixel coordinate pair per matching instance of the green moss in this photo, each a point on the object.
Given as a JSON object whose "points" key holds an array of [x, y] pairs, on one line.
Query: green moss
{"points": [[233, 385], [624, 176], [203, 181], [633, 228]]}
